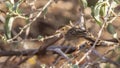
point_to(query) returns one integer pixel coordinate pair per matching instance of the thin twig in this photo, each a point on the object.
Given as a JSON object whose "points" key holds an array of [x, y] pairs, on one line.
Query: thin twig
{"points": [[104, 59], [85, 55]]}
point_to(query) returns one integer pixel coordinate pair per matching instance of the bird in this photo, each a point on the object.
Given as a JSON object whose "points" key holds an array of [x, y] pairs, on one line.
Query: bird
{"points": [[74, 35]]}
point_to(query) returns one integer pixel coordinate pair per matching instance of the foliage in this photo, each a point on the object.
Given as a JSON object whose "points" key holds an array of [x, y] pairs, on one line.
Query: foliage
{"points": [[13, 13]]}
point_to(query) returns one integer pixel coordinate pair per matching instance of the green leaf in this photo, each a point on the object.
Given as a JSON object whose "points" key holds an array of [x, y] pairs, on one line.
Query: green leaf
{"points": [[84, 2], [8, 26], [75, 66], [39, 37], [92, 3], [100, 10], [104, 10], [96, 13], [45, 11], [16, 6], [111, 29], [9, 5], [117, 1], [19, 11]]}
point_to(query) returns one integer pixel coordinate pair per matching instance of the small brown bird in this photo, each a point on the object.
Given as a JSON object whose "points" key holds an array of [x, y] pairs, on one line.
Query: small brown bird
{"points": [[76, 37], [75, 33]]}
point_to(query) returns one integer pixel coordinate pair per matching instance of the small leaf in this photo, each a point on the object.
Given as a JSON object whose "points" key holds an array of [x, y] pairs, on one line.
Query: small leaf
{"points": [[84, 2], [92, 3], [19, 11], [9, 5], [104, 10], [117, 1], [8, 26], [45, 11], [96, 12], [16, 5], [111, 29], [75, 66], [39, 37]]}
